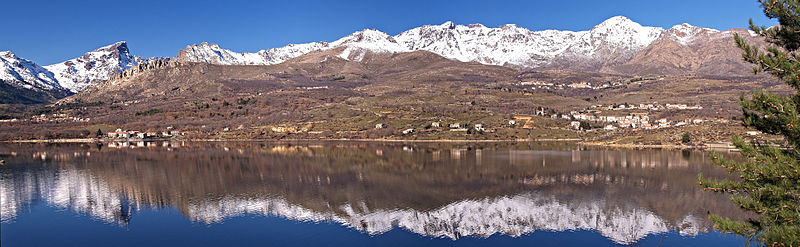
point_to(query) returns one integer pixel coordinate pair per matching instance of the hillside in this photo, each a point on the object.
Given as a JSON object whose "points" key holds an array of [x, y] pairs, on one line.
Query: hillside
{"points": [[616, 46], [323, 95], [370, 84]]}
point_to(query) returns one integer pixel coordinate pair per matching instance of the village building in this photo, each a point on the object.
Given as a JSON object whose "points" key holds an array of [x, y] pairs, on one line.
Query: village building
{"points": [[121, 134], [380, 126], [408, 131], [663, 123], [436, 124], [579, 116], [479, 127], [575, 125], [455, 126], [540, 111]]}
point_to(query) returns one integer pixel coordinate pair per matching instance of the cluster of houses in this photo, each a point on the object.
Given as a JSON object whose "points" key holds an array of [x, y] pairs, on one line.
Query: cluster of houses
{"points": [[543, 85], [133, 134], [650, 107], [145, 144], [57, 117], [453, 127], [632, 120]]}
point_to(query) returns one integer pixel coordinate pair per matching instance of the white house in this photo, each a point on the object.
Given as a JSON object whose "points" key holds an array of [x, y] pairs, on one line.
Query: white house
{"points": [[575, 125]]}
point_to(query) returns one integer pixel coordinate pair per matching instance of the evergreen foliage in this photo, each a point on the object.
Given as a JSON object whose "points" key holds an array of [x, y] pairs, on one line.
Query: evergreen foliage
{"points": [[769, 183]]}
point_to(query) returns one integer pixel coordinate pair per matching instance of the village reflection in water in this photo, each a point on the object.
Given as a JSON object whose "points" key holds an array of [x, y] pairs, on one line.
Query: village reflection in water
{"points": [[436, 190]]}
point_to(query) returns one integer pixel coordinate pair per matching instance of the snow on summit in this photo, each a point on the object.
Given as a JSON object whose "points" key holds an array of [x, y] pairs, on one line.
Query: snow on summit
{"points": [[615, 40], [23, 73], [79, 73], [508, 44], [367, 40]]}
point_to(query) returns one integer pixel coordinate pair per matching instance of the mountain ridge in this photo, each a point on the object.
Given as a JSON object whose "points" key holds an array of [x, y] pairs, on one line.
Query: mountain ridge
{"points": [[100, 64], [617, 45], [615, 41], [24, 81]]}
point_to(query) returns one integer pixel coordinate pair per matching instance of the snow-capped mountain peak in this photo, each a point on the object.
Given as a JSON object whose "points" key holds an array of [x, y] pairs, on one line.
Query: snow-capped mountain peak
{"points": [[98, 65], [626, 33], [367, 40], [211, 53], [686, 33], [23, 73], [281, 54], [448, 25], [618, 21], [508, 26], [612, 42]]}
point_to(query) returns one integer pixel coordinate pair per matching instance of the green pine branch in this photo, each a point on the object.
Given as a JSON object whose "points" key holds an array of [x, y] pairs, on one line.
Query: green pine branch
{"points": [[769, 180]]}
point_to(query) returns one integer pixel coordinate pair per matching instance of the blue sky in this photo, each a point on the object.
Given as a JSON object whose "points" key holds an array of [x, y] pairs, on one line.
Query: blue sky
{"points": [[48, 32]]}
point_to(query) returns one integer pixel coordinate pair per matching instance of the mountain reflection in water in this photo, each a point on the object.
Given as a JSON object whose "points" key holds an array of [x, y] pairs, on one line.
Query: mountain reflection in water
{"points": [[436, 190]]}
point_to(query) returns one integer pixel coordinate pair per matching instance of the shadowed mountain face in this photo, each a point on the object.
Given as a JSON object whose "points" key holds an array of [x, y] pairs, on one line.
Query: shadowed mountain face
{"points": [[447, 191]]}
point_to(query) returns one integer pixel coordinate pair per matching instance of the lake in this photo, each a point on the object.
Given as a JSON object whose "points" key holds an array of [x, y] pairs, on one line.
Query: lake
{"points": [[356, 194]]}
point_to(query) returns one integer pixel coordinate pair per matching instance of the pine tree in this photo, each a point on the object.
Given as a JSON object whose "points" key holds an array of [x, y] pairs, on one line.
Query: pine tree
{"points": [[769, 183]]}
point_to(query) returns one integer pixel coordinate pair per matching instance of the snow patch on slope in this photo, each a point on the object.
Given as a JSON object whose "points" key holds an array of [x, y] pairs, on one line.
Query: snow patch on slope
{"points": [[686, 33]]}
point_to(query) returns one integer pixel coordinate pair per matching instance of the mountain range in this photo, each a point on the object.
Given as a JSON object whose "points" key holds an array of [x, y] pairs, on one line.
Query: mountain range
{"points": [[615, 46]]}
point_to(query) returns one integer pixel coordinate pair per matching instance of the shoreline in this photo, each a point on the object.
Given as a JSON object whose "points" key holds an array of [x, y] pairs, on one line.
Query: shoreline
{"points": [[576, 141], [644, 146], [91, 140]]}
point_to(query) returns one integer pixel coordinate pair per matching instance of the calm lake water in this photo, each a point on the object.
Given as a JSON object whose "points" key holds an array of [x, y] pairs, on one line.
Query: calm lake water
{"points": [[356, 194]]}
